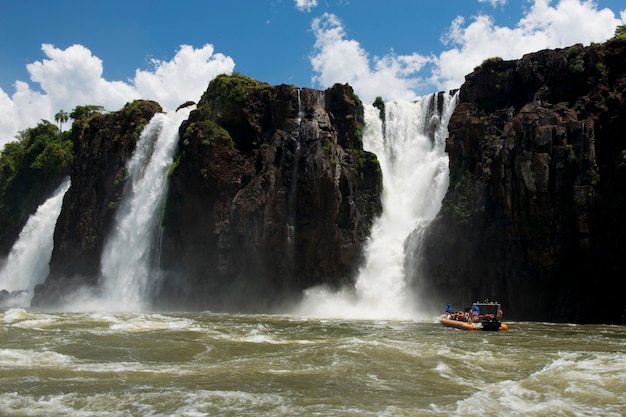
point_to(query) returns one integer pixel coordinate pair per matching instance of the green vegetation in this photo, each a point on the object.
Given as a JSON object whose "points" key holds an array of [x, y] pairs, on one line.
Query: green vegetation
{"points": [[488, 63], [173, 167], [357, 121], [61, 117], [358, 135], [234, 87], [84, 112], [206, 132], [576, 59], [458, 207], [43, 150], [33, 164], [30, 166], [620, 32], [365, 161]]}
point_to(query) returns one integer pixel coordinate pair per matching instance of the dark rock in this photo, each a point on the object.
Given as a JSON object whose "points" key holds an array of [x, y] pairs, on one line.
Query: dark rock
{"points": [[535, 215], [273, 194], [186, 104]]}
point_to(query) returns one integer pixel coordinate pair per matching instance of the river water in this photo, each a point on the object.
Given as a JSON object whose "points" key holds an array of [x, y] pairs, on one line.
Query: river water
{"points": [[205, 364]]}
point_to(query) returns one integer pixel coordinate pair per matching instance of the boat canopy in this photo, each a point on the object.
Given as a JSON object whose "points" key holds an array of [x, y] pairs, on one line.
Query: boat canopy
{"points": [[487, 308]]}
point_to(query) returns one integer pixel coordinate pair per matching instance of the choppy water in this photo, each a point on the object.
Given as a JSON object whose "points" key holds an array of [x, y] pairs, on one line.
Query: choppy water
{"points": [[159, 364]]}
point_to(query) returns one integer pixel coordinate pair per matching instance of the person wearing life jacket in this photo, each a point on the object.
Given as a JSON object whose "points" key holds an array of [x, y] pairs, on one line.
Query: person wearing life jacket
{"points": [[475, 312]]}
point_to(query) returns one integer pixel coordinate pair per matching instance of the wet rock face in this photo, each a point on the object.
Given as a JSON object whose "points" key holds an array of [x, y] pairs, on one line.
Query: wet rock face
{"points": [[536, 207], [272, 194]]}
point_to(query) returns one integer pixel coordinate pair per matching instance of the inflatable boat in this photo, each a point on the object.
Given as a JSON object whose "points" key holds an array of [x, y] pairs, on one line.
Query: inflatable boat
{"points": [[481, 316]]}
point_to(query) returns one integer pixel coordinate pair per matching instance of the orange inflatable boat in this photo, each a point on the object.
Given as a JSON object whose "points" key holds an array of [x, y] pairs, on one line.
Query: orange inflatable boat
{"points": [[481, 316]]}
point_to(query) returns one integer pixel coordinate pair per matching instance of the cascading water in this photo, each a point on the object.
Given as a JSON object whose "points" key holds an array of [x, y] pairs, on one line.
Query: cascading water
{"points": [[415, 179], [292, 198], [128, 272], [27, 263]]}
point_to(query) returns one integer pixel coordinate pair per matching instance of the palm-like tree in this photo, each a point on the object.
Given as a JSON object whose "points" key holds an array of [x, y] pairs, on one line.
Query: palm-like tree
{"points": [[61, 117]]}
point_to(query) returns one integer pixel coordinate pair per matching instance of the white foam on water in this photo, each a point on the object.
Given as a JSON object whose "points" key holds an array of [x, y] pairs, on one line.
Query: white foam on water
{"points": [[28, 358], [150, 322], [572, 384], [15, 314]]}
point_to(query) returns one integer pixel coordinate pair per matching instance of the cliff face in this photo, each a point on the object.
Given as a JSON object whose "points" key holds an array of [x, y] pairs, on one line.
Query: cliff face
{"points": [[272, 194], [102, 145], [535, 215]]}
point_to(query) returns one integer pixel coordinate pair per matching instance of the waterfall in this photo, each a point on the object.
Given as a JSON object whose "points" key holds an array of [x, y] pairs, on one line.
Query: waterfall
{"points": [[128, 274], [28, 262], [292, 198], [412, 157]]}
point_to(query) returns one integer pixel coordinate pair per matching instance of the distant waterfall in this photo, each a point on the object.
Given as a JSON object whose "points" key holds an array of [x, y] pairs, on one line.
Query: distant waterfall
{"points": [[128, 273], [28, 262], [415, 179], [292, 198]]}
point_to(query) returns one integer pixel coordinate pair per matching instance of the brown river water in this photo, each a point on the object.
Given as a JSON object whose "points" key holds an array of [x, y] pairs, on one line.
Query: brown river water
{"points": [[204, 364]]}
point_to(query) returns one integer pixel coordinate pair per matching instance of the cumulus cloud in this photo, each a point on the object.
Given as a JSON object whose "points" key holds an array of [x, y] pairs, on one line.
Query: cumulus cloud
{"points": [[305, 5], [494, 3], [469, 42], [340, 60], [73, 76], [543, 26], [183, 78]]}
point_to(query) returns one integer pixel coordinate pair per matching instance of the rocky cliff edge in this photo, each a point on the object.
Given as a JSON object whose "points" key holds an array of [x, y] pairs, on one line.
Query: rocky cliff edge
{"points": [[535, 215]]}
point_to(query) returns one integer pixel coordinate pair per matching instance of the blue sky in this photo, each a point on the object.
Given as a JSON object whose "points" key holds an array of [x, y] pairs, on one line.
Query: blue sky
{"points": [[56, 55]]}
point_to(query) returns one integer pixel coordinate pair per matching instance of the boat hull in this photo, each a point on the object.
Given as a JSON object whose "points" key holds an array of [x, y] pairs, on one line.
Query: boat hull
{"points": [[457, 324], [463, 325]]}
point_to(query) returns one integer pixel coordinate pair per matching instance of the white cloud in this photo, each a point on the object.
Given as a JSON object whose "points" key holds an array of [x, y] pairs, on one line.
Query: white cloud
{"points": [[494, 3], [544, 26], [73, 76], [305, 5], [340, 60], [183, 78]]}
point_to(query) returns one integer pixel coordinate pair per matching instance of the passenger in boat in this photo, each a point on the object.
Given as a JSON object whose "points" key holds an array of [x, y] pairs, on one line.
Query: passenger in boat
{"points": [[500, 314], [475, 312], [449, 309]]}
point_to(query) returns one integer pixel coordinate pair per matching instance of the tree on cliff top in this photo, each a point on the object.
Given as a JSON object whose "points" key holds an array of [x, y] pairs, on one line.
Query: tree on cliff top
{"points": [[29, 168], [61, 117], [82, 112]]}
